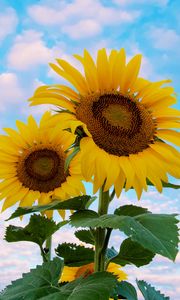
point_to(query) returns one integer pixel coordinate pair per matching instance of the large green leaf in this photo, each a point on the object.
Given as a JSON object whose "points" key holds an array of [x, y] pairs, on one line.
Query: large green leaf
{"points": [[85, 236], [97, 286], [133, 253], [155, 232], [124, 289], [75, 255], [76, 203], [149, 291], [36, 284], [37, 231]]}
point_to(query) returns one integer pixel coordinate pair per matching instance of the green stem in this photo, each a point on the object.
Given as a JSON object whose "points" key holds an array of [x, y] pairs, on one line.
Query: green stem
{"points": [[102, 235], [48, 247], [43, 254]]}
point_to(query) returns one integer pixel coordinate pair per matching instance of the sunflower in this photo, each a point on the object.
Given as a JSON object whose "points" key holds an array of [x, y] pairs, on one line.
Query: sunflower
{"points": [[32, 164], [72, 273], [128, 123]]}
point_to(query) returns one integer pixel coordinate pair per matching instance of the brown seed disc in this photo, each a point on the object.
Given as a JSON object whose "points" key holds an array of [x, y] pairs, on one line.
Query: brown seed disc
{"points": [[42, 170], [118, 124]]}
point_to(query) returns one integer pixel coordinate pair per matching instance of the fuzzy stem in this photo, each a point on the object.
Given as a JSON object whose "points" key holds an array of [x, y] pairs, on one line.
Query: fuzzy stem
{"points": [[102, 235], [43, 254], [48, 247]]}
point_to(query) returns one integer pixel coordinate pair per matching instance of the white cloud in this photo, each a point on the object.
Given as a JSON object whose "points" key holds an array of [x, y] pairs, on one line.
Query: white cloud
{"points": [[135, 2], [8, 22], [11, 91], [82, 29], [164, 38], [80, 18], [29, 50]]}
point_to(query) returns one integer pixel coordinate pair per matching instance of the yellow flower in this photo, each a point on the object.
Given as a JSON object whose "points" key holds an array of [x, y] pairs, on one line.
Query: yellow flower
{"points": [[72, 273], [32, 164], [127, 120]]}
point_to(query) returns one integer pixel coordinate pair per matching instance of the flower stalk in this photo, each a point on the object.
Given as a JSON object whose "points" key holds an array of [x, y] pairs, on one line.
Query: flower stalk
{"points": [[102, 235]]}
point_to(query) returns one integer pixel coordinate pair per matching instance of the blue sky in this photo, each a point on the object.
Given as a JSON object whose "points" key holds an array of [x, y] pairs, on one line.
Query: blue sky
{"points": [[33, 33]]}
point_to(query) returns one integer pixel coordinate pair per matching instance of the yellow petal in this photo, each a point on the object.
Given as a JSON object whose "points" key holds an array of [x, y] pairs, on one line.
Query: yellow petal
{"points": [[118, 69], [139, 85], [11, 200], [119, 183], [128, 171], [62, 213], [103, 70], [167, 124], [138, 187], [69, 78], [112, 171], [90, 71], [139, 168], [169, 135], [30, 198], [159, 95], [16, 138], [131, 73], [49, 98], [74, 73]]}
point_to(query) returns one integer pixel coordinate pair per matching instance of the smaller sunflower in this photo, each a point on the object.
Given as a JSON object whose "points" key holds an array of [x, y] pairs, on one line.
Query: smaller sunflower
{"points": [[32, 164], [72, 273]]}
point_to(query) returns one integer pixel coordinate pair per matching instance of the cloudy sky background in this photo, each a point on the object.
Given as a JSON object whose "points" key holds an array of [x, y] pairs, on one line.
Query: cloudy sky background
{"points": [[33, 33]]}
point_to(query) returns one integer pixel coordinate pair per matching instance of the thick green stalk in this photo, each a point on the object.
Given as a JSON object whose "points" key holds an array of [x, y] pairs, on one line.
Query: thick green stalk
{"points": [[48, 247], [102, 235]]}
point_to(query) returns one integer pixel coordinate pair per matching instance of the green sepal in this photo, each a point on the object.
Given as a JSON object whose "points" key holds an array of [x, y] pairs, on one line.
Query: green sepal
{"points": [[149, 292], [165, 184], [70, 157], [75, 255], [76, 203]]}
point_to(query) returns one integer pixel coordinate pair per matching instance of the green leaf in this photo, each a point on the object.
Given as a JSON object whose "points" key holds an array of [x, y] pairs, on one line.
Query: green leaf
{"points": [[149, 291], [37, 231], [130, 210], [36, 284], [133, 253], [97, 286], [84, 218], [75, 255], [76, 203], [145, 229], [125, 289], [85, 236]]}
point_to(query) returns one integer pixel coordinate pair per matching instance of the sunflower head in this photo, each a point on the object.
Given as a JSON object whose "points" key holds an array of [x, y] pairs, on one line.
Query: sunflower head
{"points": [[73, 273], [32, 164], [128, 122]]}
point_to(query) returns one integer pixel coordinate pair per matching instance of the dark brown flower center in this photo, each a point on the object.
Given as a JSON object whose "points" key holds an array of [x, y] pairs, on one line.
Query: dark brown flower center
{"points": [[118, 124], [42, 170]]}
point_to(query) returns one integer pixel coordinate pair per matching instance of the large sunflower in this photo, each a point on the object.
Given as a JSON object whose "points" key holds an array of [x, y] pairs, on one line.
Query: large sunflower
{"points": [[32, 164], [127, 121], [72, 273]]}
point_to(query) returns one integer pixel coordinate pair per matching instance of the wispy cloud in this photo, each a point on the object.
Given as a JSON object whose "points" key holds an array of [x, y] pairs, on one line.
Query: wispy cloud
{"points": [[8, 22]]}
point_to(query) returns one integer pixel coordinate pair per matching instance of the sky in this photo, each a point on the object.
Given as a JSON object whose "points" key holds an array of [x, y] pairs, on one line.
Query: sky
{"points": [[34, 33]]}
